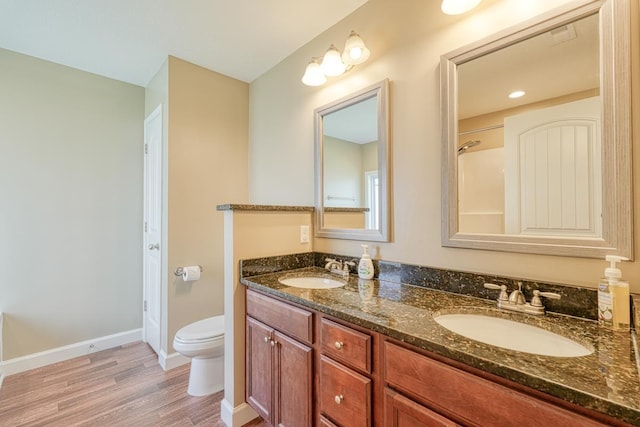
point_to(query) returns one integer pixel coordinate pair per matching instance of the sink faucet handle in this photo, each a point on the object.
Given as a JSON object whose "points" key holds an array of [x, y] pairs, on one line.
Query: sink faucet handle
{"points": [[503, 290], [537, 302], [349, 263]]}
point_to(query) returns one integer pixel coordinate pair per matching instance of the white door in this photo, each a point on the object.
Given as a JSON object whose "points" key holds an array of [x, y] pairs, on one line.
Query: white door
{"points": [[552, 171], [152, 259]]}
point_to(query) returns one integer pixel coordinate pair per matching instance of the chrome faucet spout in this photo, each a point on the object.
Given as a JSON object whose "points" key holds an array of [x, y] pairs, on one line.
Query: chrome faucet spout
{"points": [[517, 297]]}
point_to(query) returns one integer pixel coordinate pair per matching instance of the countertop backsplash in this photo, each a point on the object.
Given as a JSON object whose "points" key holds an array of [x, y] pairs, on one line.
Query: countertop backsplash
{"points": [[574, 301]]}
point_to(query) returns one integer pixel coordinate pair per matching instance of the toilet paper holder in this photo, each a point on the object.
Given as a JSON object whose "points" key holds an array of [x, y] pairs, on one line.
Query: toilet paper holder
{"points": [[180, 270]]}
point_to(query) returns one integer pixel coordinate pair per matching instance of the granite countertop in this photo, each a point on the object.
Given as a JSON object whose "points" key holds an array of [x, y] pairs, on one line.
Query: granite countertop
{"points": [[607, 380]]}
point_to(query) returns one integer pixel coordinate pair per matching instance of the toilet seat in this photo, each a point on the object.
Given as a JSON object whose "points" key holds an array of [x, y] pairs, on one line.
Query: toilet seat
{"points": [[210, 329]]}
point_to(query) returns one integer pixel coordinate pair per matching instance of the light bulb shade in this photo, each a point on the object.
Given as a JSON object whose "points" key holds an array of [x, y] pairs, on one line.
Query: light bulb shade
{"points": [[456, 7], [332, 64], [313, 75], [355, 52]]}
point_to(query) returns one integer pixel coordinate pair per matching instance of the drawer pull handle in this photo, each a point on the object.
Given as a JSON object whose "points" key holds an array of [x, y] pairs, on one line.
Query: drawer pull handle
{"points": [[338, 399], [339, 345]]}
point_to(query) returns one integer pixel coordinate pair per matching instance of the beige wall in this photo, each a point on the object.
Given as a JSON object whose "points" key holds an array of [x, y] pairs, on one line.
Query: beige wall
{"points": [[207, 165], [250, 234], [406, 40], [70, 205]]}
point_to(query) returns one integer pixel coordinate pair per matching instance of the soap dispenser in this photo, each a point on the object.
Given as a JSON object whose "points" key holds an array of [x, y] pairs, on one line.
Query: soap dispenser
{"points": [[365, 266], [613, 297]]}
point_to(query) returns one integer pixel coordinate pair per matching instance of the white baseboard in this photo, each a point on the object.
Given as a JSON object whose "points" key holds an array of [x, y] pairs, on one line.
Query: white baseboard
{"points": [[55, 355], [238, 416], [172, 360]]}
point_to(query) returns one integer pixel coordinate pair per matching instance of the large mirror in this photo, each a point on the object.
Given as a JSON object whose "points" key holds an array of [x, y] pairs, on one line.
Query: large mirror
{"points": [[537, 137], [352, 179]]}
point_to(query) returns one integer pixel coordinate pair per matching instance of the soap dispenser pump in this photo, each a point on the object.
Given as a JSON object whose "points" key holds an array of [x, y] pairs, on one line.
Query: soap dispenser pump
{"points": [[613, 297], [365, 266]]}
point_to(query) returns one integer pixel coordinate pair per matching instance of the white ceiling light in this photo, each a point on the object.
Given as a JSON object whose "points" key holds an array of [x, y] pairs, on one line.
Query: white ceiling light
{"points": [[355, 52], [313, 75], [456, 7], [333, 63], [516, 94]]}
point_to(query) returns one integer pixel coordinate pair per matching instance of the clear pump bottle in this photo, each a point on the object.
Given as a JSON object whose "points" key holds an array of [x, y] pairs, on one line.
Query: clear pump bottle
{"points": [[613, 297], [365, 266]]}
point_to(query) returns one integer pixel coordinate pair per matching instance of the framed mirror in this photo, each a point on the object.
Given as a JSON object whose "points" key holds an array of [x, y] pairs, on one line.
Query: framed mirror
{"points": [[548, 172], [352, 166]]}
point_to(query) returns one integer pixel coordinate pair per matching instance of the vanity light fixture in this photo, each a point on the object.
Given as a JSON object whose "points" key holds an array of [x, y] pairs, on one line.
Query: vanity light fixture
{"points": [[334, 63], [516, 94], [457, 7]]}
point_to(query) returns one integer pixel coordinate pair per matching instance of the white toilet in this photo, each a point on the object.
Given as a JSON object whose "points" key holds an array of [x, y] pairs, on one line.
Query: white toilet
{"points": [[203, 341]]}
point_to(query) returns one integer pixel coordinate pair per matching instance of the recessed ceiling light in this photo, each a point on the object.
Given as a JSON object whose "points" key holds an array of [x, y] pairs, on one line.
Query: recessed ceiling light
{"points": [[516, 94]]}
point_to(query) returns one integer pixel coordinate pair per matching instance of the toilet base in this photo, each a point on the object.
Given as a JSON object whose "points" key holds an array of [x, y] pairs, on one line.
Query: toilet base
{"points": [[206, 376]]}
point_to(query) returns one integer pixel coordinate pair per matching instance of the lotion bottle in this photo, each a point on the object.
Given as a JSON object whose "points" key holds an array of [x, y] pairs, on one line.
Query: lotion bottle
{"points": [[613, 297], [365, 266]]}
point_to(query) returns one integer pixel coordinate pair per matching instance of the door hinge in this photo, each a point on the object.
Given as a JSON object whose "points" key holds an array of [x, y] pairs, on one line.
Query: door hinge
{"points": [[146, 148], [146, 227], [145, 305]]}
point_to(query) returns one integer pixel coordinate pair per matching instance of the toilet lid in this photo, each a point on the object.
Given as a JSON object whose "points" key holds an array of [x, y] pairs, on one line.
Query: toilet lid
{"points": [[202, 329]]}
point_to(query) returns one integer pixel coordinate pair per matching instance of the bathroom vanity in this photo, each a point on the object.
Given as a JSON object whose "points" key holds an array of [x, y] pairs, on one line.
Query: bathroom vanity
{"points": [[370, 354]]}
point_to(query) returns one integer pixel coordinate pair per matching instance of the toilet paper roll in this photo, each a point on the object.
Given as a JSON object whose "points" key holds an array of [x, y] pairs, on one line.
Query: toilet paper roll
{"points": [[191, 273]]}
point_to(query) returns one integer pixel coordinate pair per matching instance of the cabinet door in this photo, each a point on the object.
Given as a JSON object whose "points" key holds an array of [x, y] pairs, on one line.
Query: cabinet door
{"points": [[293, 382], [259, 368], [403, 412]]}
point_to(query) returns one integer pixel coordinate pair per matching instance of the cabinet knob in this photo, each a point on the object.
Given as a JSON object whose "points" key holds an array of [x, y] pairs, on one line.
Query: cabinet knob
{"points": [[338, 399], [339, 345], [273, 343], [267, 339]]}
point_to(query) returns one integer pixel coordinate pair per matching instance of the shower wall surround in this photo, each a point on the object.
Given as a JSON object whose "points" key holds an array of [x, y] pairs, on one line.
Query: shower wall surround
{"points": [[575, 301]]}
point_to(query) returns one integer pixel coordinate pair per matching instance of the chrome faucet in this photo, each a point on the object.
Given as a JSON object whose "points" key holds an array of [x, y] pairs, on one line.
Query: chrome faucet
{"points": [[517, 302], [338, 267]]}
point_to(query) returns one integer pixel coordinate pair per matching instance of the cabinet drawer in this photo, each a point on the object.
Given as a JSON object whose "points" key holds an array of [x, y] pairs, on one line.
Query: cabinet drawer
{"points": [[469, 399], [293, 321], [345, 396], [346, 345]]}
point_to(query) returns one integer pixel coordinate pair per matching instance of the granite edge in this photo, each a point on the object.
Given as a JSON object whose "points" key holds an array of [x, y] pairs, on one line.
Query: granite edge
{"points": [[265, 208]]}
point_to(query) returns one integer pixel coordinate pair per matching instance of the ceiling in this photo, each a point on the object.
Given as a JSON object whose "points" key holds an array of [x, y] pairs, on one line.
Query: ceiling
{"points": [[129, 40], [357, 123], [563, 61]]}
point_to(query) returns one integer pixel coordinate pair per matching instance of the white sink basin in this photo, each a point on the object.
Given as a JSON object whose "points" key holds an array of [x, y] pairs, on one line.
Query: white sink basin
{"points": [[512, 335], [311, 282]]}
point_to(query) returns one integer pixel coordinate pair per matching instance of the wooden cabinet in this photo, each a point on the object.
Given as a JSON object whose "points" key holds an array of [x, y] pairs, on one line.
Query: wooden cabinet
{"points": [[351, 377], [279, 369], [468, 399]]}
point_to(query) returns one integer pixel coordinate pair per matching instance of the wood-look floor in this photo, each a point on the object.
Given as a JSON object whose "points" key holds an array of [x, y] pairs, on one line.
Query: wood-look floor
{"points": [[124, 386]]}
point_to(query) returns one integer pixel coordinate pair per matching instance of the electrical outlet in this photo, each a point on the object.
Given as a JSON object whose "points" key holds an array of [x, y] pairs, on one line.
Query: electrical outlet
{"points": [[304, 234]]}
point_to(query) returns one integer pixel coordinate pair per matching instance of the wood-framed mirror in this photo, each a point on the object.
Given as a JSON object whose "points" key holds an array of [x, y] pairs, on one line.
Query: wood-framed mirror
{"points": [[549, 172], [352, 166]]}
